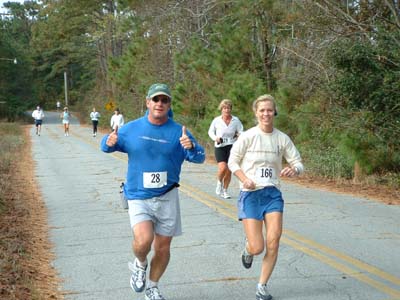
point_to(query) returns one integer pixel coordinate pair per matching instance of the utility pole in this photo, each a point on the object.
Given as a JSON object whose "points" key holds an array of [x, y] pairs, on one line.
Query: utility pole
{"points": [[65, 88]]}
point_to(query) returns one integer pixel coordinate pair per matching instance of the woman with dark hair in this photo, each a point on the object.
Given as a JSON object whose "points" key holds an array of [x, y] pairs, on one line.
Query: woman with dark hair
{"points": [[117, 120]]}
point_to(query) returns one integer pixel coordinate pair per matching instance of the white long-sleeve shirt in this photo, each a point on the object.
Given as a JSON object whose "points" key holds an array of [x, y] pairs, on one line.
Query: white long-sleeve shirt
{"points": [[94, 116], [228, 133], [38, 114], [259, 156], [117, 120]]}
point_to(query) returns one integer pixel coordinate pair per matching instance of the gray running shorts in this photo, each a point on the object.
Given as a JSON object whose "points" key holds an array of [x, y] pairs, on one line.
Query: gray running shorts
{"points": [[164, 211]]}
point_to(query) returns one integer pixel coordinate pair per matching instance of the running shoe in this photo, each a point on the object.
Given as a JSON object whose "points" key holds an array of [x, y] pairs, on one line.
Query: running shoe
{"points": [[225, 194], [219, 188], [262, 292], [138, 278], [153, 293], [247, 259]]}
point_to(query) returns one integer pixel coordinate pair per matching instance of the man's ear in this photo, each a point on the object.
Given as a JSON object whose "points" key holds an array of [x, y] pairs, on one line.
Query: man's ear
{"points": [[148, 102]]}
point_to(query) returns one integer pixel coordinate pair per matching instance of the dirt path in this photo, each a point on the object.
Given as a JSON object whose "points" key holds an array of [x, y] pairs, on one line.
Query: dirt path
{"points": [[26, 254]]}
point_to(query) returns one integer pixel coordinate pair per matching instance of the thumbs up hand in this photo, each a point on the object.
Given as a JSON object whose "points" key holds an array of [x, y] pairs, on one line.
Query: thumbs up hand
{"points": [[185, 140], [112, 138]]}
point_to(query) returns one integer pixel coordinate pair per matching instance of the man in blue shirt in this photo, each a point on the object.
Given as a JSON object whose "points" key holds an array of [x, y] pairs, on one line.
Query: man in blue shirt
{"points": [[156, 146]]}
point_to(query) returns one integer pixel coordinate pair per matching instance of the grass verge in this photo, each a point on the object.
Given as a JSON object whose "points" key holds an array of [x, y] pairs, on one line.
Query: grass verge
{"points": [[25, 250]]}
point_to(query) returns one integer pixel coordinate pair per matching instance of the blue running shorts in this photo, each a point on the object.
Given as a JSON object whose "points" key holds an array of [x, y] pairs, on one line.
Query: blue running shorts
{"points": [[255, 204]]}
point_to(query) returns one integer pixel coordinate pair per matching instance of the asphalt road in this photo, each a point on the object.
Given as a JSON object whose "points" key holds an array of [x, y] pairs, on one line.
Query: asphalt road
{"points": [[334, 246]]}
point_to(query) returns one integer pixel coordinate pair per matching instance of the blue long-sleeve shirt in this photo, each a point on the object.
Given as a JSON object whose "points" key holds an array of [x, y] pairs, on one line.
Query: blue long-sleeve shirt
{"points": [[154, 152]]}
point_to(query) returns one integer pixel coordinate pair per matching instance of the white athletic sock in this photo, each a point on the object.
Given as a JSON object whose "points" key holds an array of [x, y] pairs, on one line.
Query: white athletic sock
{"points": [[151, 284], [141, 264]]}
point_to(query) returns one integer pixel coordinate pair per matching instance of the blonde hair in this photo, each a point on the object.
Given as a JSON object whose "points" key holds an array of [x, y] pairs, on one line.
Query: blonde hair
{"points": [[263, 98], [225, 102]]}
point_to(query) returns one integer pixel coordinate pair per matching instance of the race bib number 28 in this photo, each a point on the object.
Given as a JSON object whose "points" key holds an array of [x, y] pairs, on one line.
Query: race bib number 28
{"points": [[265, 176], [154, 179]]}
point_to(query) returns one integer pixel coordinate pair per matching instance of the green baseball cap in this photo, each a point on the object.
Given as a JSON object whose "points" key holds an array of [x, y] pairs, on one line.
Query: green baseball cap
{"points": [[158, 89]]}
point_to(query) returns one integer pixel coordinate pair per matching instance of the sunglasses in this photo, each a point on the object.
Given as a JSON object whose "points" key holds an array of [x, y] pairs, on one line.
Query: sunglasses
{"points": [[164, 100]]}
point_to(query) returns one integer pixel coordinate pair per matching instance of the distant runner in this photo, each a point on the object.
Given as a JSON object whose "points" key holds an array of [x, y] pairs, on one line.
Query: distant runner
{"points": [[117, 120], [94, 116], [38, 116], [65, 116]]}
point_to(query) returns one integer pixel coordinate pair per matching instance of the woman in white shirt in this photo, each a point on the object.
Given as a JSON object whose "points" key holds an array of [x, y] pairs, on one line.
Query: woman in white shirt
{"points": [[224, 131], [94, 116], [65, 117], [117, 120], [256, 160]]}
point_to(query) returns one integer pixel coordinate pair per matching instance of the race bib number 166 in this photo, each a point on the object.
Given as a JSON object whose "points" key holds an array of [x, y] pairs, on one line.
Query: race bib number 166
{"points": [[265, 176]]}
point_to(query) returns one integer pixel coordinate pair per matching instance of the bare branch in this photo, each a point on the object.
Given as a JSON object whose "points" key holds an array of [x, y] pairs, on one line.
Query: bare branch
{"points": [[395, 13], [320, 67]]}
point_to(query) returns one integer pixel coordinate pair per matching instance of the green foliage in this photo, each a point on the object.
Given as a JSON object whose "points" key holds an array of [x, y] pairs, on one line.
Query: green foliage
{"points": [[225, 61], [143, 63], [367, 86], [317, 136], [326, 162], [61, 43], [337, 91], [288, 120], [16, 79]]}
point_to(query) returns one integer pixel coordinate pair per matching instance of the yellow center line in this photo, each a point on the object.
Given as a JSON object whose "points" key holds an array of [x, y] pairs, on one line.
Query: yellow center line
{"points": [[357, 263], [208, 196], [304, 245], [210, 204], [343, 268]]}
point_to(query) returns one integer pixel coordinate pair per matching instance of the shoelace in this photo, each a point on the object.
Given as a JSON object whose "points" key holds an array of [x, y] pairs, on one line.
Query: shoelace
{"points": [[139, 273], [155, 293], [263, 290]]}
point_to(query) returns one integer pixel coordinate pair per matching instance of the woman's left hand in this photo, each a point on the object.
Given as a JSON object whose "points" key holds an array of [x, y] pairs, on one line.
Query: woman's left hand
{"points": [[288, 172]]}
